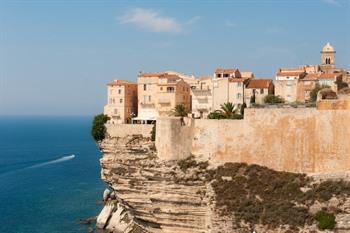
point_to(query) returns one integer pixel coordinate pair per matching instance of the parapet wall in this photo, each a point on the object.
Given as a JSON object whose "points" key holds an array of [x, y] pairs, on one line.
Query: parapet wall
{"points": [[293, 139], [123, 130]]}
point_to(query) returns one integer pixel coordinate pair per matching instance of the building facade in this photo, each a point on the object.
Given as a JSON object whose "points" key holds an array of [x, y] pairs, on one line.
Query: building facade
{"points": [[257, 89], [122, 101], [172, 91], [287, 81], [159, 93], [202, 97]]}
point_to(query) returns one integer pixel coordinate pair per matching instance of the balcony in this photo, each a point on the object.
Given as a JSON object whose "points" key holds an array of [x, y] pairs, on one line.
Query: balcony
{"points": [[147, 103]]}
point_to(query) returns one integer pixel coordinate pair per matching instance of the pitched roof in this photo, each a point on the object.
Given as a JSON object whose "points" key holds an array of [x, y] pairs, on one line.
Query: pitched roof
{"points": [[225, 71], [329, 75], [237, 79], [119, 82], [151, 74], [310, 77], [259, 83], [290, 73]]}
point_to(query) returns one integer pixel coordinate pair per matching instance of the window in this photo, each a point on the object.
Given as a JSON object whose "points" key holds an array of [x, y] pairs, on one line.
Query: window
{"points": [[226, 75], [113, 101], [161, 88], [119, 91], [121, 101], [149, 98], [261, 91], [170, 89], [145, 87], [218, 75], [239, 95], [239, 84], [115, 111]]}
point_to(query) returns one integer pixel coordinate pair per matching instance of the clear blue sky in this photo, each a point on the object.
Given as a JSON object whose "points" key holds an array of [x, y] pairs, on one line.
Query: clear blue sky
{"points": [[57, 56]]}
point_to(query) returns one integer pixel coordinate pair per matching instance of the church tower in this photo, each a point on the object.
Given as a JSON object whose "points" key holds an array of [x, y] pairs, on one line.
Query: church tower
{"points": [[328, 58]]}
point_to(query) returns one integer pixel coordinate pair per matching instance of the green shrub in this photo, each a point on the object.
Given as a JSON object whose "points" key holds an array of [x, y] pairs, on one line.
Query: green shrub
{"points": [[216, 115], [153, 133], [273, 99], [187, 163], [98, 129], [314, 92], [325, 220]]}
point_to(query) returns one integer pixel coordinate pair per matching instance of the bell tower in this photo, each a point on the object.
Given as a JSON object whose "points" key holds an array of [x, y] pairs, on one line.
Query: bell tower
{"points": [[328, 58]]}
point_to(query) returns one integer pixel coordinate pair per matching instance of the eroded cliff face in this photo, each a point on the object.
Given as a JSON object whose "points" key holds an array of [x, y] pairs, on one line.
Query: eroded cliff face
{"points": [[156, 196], [151, 195]]}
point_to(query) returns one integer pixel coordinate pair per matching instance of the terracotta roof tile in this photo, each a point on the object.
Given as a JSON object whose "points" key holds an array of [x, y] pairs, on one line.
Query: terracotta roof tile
{"points": [[237, 79], [328, 76], [310, 77], [259, 83], [154, 74], [290, 73], [222, 70]]}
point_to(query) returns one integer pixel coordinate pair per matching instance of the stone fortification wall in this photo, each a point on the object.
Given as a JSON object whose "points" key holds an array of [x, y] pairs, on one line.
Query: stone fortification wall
{"points": [[123, 130], [292, 139]]}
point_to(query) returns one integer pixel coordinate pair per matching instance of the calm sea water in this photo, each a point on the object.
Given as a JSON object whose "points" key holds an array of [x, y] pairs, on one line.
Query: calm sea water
{"points": [[43, 187]]}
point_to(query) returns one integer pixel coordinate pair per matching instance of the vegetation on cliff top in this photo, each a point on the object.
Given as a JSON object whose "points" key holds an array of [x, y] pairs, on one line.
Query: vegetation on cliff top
{"points": [[259, 195], [228, 111], [273, 99], [98, 130]]}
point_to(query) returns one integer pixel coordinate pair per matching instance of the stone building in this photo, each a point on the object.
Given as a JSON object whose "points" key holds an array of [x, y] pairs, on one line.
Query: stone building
{"points": [[202, 97], [296, 84], [171, 91], [122, 101], [328, 58], [228, 86], [159, 93], [258, 89], [286, 85]]}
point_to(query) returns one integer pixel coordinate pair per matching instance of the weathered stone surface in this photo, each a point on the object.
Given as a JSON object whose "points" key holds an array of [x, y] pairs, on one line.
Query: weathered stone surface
{"points": [[105, 215], [152, 195], [301, 140]]}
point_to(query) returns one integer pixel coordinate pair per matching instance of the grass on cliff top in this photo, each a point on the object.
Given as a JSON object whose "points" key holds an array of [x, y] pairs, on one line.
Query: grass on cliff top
{"points": [[258, 195]]}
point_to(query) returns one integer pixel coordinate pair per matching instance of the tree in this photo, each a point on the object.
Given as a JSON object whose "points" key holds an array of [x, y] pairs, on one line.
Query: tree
{"points": [[98, 130], [228, 110], [180, 111], [273, 99], [314, 92]]}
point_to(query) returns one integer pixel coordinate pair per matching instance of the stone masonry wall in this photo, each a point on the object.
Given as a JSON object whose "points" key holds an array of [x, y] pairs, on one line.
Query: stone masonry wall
{"points": [[123, 130], [291, 139]]}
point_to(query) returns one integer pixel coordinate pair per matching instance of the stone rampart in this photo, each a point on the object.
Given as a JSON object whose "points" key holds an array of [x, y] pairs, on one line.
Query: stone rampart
{"points": [[123, 130], [291, 139]]}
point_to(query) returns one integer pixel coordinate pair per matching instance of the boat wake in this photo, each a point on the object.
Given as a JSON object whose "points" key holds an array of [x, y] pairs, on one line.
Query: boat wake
{"points": [[60, 160], [42, 164]]}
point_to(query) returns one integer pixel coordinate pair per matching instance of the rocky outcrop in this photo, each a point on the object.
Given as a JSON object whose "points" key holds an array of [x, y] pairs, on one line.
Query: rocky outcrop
{"points": [[147, 194], [156, 195]]}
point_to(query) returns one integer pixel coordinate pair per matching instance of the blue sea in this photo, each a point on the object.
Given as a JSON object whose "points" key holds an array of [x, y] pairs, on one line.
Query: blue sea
{"points": [[49, 174]]}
